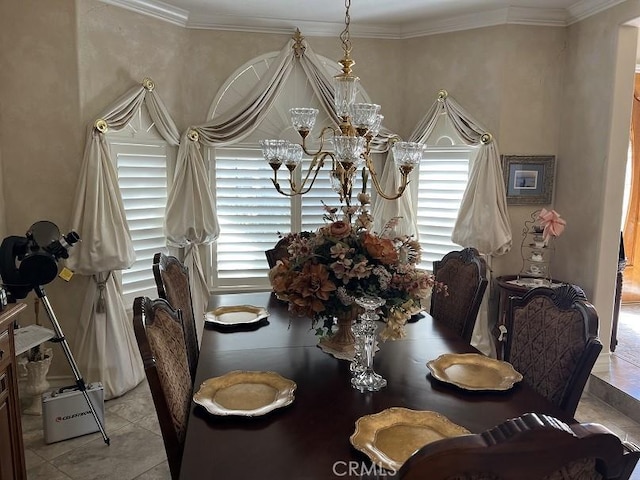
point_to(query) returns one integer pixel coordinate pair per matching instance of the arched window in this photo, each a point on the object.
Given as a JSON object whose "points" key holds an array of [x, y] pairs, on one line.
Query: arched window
{"points": [[250, 211]]}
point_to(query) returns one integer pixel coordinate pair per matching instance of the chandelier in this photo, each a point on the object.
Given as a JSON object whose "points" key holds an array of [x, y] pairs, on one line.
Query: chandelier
{"points": [[349, 144]]}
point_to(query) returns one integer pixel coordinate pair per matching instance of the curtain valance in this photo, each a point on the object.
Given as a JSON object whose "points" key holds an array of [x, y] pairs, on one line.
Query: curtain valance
{"points": [[483, 220]]}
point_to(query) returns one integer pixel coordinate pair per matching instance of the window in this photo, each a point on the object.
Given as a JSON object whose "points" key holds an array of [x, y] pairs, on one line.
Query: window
{"points": [[141, 163], [251, 213], [443, 176]]}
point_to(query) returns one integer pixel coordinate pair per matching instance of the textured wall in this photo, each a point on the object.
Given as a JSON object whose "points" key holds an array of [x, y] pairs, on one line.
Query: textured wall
{"points": [[41, 137]]}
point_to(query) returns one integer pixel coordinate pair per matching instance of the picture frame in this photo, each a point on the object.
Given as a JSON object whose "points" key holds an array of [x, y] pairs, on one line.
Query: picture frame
{"points": [[528, 178]]}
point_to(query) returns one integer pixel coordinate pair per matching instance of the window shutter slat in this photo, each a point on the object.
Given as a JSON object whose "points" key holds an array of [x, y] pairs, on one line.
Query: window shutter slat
{"points": [[443, 178]]}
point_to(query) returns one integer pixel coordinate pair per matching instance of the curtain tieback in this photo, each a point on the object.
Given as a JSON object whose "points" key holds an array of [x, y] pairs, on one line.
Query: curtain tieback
{"points": [[101, 306]]}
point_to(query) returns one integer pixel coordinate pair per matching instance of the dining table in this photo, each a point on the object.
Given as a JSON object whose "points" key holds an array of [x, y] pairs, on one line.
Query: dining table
{"points": [[310, 437]]}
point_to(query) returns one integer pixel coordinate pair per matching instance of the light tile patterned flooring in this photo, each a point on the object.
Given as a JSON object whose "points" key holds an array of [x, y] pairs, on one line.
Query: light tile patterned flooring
{"points": [[137, 452]]}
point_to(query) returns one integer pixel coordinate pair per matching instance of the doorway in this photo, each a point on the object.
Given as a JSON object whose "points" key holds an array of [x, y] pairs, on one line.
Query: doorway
{"points": [[631, 222]]}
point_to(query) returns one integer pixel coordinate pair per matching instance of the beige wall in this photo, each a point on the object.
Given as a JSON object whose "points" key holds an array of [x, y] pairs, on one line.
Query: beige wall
{"points": [[595, 113], [538, 89], [41, 135], [509, 78]]}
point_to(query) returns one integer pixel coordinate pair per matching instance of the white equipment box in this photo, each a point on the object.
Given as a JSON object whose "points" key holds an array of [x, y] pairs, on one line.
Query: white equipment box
{"points": [[66, 413]]}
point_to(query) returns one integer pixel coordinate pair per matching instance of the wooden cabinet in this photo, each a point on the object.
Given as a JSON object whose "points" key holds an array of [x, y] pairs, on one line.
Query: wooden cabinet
{"points": [[12, 466]]}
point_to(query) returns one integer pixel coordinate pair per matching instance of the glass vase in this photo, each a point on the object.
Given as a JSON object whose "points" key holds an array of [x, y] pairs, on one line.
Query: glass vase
{"points": [[364, 377]]}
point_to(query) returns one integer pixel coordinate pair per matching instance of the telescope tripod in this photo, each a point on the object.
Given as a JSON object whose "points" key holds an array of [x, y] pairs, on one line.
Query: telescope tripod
{"points": [[60, 338]]}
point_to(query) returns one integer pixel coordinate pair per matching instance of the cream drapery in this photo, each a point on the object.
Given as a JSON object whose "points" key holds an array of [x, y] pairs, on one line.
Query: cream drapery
{"points": [[483, 220], [190, 220], [105, 346]]}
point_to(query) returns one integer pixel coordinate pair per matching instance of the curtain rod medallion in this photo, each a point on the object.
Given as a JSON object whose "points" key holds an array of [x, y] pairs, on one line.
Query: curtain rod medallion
{"points": [[101, 125], [148, 84], [193, 136]]}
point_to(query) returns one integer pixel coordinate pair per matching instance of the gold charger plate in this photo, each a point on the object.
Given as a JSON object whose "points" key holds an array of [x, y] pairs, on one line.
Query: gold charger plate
{"points": [[391, 436], [245, 393], [236, 315], [473, 371]]}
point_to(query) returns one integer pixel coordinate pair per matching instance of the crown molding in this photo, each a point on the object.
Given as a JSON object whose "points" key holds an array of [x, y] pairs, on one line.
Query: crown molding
{"points": [[555, 17], [155, 9], [585, 8], [278, 26]]}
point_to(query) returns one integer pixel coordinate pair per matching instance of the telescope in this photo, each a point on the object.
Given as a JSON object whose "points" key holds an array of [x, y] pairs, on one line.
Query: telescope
{"points": [[27, 263]]}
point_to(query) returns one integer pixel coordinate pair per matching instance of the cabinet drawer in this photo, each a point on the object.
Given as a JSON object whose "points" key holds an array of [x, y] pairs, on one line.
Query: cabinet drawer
{"points": [[5, 348]]}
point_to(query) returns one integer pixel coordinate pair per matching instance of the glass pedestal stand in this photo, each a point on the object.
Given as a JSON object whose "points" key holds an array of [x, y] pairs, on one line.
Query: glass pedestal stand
{"points": [[364, 377]]}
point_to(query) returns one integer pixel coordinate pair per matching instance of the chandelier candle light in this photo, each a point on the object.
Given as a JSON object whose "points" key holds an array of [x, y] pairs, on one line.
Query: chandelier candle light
{"points": [[351, 141]]}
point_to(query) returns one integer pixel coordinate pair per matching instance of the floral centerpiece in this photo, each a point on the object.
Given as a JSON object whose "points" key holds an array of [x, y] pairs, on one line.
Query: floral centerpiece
{"points": [[328, 269]]}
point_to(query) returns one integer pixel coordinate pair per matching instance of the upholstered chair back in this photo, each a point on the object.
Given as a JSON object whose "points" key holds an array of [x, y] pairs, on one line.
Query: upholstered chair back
{"points": [[158, 331], [464, 273], [278, 252], [172, 282], [533, 446], [552, 340]]}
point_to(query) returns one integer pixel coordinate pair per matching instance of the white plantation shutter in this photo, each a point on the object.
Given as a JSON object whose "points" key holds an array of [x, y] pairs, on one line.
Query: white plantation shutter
{"points": [[251, 213], [443, 177], [142, 176]]}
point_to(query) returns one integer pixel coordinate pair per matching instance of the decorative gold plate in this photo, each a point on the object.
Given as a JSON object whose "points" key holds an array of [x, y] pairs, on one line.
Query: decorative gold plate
{"points": [[245, 393], [236, 315], [473, 371], [391, 436]]}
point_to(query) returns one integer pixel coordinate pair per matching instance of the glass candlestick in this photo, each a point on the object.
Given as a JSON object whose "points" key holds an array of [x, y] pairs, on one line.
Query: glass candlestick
{"points": [[364, 377]]}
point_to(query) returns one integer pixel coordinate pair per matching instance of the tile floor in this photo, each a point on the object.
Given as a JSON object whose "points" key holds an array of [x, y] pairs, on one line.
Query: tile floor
{"points": [[137, 452]]}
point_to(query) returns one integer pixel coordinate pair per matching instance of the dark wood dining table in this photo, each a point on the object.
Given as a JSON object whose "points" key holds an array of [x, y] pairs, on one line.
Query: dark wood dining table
{"points": [[309, 439]]}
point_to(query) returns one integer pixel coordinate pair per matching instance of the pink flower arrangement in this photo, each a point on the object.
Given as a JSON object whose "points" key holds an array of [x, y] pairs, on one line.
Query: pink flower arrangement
{"points": [[328, 269], [551, 223]]}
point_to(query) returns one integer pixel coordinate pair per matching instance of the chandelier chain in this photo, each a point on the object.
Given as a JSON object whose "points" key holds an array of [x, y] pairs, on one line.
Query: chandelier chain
{"points": [[345, 37]]}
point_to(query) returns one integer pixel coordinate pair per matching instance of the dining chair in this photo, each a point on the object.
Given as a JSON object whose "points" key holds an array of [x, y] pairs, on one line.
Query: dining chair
{"points": [[552, 340], [158, 331], [278, 252], [532, 446], [464, 273], [172, 282]]}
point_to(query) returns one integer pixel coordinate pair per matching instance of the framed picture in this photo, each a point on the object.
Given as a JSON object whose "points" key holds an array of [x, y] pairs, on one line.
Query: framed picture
{"points": [[528, 178]]}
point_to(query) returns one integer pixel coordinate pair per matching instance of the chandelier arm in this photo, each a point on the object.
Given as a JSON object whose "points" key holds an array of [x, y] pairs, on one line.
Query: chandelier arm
{"points": [[316, 165], [378, 187], [280, 191], [321, 138]]}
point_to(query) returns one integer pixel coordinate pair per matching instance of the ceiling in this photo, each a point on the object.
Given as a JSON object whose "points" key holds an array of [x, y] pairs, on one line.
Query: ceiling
{"points": [[369, 18]]}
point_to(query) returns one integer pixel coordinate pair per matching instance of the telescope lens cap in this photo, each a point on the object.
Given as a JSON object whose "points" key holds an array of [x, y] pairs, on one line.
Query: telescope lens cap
{"points": [[38, 268]]}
